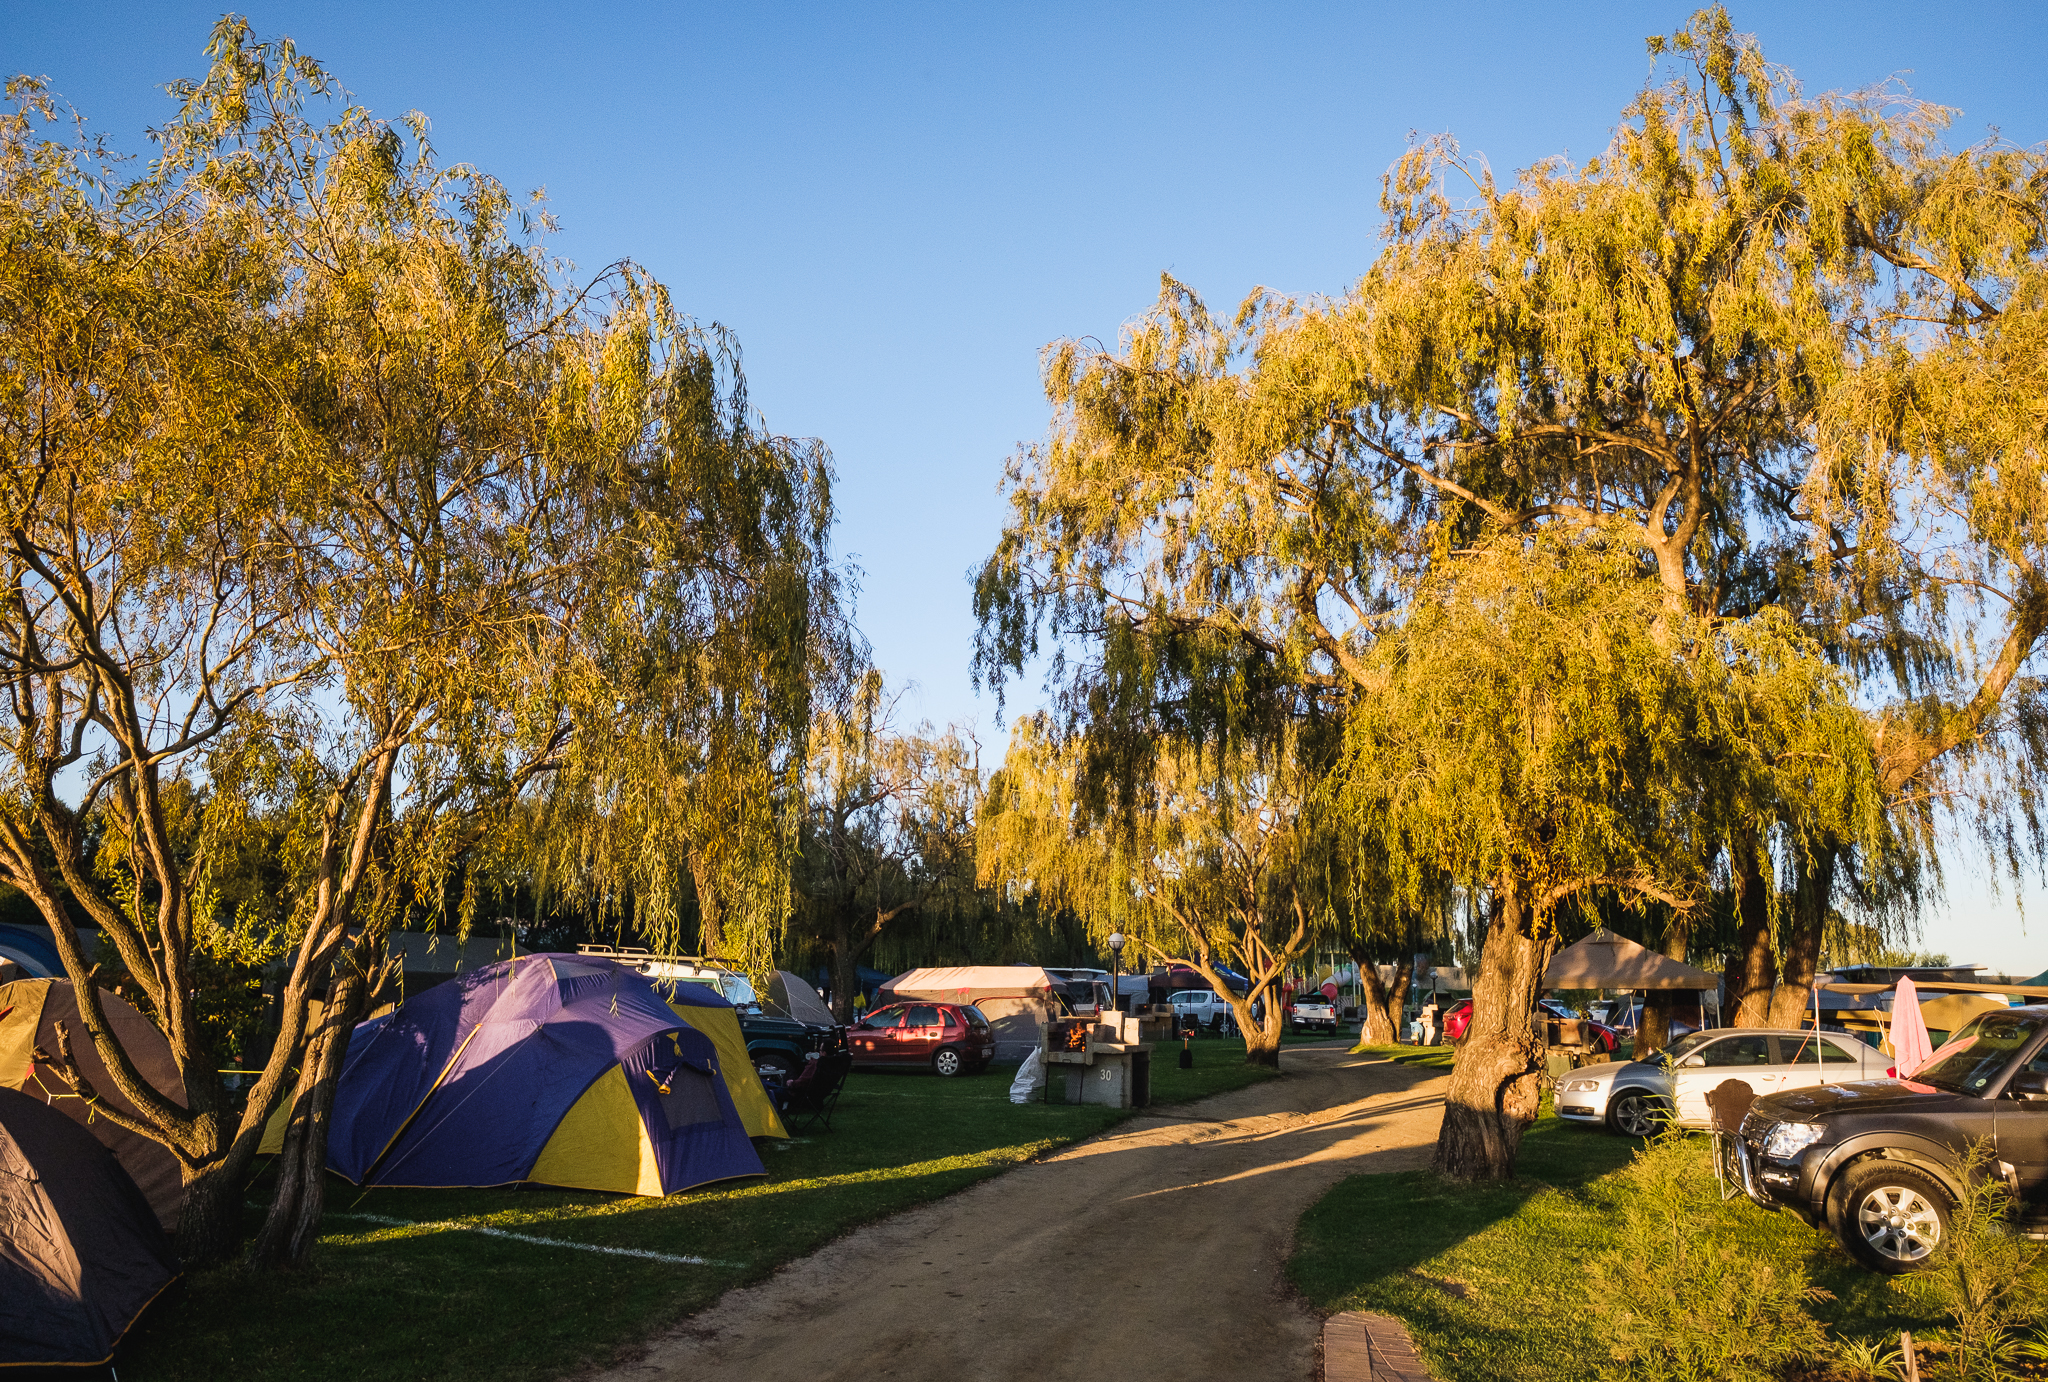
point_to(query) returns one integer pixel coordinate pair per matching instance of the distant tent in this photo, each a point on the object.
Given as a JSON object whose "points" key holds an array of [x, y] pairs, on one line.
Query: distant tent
{"points": [[30, 1010], [33, 950], [1604, 960], [1017, 1000], [82, 1253], [793, 998], [564, 1070]]}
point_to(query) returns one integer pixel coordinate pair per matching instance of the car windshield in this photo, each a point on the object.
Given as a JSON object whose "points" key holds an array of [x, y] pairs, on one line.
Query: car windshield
{"points": [[1970, 1062], [1682, 1048], [736, 989], [974, 1017]]}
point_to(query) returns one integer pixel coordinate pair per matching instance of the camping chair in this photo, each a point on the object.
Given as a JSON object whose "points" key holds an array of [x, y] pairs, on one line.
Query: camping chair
{"points": [[1729, 1101], [813, 1092]]}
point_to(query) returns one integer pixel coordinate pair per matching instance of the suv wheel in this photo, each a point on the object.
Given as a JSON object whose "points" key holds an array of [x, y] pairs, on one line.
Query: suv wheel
{"points": [[1635, 1113], [948, 1062], [1891, 1217]]}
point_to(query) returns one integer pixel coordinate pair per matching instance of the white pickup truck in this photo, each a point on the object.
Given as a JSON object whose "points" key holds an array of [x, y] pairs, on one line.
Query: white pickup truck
{"points": [[1313, 1010], [1201, 1008]]}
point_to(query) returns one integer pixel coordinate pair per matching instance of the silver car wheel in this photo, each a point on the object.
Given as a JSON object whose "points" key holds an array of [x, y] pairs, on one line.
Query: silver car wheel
{"points": [[1898, 1223], [1636, 1114]]}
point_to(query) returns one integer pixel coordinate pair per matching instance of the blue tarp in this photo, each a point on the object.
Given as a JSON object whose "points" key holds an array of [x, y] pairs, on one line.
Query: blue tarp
{"points": [[465, 1084]]}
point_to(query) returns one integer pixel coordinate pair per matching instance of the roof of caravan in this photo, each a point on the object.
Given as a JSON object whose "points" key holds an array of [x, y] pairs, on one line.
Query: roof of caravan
{"points": [[966, 983]]}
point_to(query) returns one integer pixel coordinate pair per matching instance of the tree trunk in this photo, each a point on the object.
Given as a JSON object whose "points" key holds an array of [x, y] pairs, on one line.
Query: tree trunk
{"points": [[845, 976], [1655, 1032], [1262, 1038], [1792, 1003], [1383, 1003], [1497, 1082], [293, 1223], [210, 1224], [1752, 970]]}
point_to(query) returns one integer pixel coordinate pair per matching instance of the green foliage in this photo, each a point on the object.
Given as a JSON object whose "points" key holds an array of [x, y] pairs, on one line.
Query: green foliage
{"points": [[1540, 714], [1679, 1302], [1985, 1278], [327, 489]]}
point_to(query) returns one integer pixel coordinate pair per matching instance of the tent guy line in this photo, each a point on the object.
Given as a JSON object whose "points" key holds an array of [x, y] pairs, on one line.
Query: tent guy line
{"points": [[445, 1225]]}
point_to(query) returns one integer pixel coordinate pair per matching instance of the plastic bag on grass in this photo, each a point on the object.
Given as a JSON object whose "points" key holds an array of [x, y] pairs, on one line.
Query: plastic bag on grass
{"points": [[1030, 1079]]}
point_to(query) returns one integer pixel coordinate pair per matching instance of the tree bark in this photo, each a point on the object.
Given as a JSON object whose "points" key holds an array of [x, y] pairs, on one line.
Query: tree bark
{"points": [[1497, 1082], [1383, 1002], [1752, 971], [1655, 1032], [293, 1223], [1792, 1003]]}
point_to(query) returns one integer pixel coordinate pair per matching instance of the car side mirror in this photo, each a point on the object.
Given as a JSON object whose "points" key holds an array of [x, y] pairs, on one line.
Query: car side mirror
{"points": [[2029, 1086], [1694, 1062]]}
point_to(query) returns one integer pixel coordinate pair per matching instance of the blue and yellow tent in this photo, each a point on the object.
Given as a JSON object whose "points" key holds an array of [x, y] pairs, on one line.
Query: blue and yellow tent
{"points": [[559, 1069]]}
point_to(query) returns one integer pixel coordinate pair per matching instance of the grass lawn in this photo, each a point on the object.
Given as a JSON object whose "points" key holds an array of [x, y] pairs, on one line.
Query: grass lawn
{"points": [[1492, 1280], [430, 1298]]}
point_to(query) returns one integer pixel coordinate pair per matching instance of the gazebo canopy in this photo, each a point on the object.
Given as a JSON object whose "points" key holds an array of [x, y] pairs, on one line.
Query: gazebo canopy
{"points": [[1604, 960]]}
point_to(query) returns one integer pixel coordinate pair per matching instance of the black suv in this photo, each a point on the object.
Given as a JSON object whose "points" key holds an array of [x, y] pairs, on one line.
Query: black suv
{"points": [[1877, 1161]]}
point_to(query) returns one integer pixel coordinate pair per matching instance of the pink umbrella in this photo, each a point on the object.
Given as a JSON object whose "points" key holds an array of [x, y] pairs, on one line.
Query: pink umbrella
{"points": [[1910, 1046]]}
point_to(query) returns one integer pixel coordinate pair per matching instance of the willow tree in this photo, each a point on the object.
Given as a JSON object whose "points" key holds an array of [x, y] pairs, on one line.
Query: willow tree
{"points": [[1544, 729], [1785, 348], [329, 500], [1209, 858], [887, 835]]}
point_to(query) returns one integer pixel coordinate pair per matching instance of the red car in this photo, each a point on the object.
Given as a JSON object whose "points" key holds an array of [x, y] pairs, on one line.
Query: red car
{"points": [[1459, 1016], [950, 1038]]}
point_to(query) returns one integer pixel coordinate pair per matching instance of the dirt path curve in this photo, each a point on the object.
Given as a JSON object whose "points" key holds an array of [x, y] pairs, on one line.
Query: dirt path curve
{"points": [[1165, 1236]]}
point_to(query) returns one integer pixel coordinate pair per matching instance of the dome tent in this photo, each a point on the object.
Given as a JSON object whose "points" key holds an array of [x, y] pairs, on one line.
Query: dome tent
{"points": [[82, 1254], [30, 1010], [560, 1069]]}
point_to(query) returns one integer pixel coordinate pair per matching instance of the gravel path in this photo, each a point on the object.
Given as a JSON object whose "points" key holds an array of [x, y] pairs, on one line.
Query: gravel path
{"points": [[1155, 1247]]}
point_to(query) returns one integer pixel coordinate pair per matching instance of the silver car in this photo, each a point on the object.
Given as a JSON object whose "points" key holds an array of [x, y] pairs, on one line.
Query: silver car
{"points": [[1634, 1098]]}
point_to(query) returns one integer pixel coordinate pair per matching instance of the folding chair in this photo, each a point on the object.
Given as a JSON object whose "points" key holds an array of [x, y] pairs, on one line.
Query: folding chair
{"points": [[812, 1093]]}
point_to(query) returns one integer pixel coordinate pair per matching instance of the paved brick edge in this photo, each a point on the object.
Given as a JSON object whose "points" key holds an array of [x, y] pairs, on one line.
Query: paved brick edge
{"points": [[1362, 1347]]}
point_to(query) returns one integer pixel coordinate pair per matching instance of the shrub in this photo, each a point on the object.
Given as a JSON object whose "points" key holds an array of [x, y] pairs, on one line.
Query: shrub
{"points": [[1983, 1279], [1684, 1303]]}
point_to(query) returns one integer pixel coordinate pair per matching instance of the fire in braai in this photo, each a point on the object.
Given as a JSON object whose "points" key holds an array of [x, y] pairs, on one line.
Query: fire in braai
{"points": [[1068, 1036]]}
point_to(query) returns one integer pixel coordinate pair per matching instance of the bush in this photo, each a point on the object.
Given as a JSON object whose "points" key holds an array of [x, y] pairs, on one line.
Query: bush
{"points": [[1983, 1279], [1683, 1302]]}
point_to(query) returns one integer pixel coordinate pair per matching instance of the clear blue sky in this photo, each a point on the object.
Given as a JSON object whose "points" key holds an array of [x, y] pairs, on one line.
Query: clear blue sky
{"points": [[896, 206]]}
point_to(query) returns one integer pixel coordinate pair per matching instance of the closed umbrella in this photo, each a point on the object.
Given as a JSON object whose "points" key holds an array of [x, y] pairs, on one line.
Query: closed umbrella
{"points": [[1910, 1046]]}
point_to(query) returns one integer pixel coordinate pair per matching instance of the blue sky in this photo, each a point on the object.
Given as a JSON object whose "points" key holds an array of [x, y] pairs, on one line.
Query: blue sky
{"points": [[896, 206]]}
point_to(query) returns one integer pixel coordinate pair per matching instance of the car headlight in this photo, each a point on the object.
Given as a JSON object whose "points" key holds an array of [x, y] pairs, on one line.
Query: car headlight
{"points": [[1582, 1086], [1788, 1140]]}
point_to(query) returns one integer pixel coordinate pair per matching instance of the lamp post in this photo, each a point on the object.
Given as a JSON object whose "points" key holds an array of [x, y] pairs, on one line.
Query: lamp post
{"points": [[1116, 953]]}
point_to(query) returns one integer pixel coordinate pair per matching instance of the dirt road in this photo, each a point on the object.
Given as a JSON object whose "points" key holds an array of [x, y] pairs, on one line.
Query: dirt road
{"points": [[1163, 1239]]}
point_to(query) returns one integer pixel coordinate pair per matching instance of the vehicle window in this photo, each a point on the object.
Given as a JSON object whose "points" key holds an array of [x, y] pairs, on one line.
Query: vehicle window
{"points": [[737, 990], [1688, 1044], [1810, 1050], [1976, 1055], [887, 1017], [975, 1017], [1739, 1050], [922, 1016]]}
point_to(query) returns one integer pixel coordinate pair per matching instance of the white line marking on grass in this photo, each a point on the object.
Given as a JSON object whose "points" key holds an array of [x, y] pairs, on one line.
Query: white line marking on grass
{"points": [[450, 1224]]}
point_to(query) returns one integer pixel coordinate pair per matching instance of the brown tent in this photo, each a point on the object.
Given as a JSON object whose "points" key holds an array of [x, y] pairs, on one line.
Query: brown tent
{"points": [[82, 1254], [30, 1010], [1604, 960]]}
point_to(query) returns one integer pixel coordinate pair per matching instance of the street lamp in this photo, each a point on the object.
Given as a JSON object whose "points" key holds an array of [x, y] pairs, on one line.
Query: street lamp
{"points": [[1116, 952]]}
